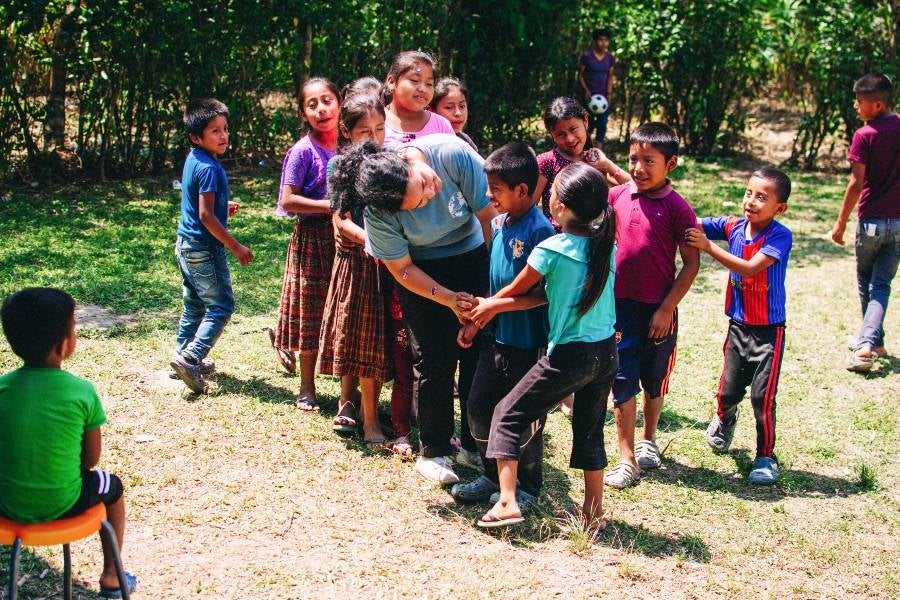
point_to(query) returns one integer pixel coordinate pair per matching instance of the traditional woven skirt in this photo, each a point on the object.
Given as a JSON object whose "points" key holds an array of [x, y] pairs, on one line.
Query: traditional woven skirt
{"points": [[307, 271], [353, 329]]}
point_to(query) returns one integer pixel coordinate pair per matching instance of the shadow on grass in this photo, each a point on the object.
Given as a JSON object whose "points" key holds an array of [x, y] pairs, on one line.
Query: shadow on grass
{"points": [[670, 421], [790, 483], [813, 251], [38, 579], [639, 539], [884, 367]]}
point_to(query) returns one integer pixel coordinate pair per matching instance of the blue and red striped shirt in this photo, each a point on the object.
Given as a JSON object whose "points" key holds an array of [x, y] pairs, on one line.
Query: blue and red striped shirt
{"points": [[761, 299]]}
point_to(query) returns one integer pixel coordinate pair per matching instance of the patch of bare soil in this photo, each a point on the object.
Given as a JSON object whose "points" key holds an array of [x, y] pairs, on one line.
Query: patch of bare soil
{"points": [[92, 316]]}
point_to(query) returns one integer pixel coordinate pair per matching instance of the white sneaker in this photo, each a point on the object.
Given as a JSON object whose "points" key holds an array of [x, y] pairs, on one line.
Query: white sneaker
{"points": [[468, 458], [439, 468]]}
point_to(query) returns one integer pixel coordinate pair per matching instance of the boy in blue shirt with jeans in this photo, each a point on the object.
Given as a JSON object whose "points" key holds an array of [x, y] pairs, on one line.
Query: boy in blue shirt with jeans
{"points": [[757, 256], [519, 337], [202, 238]]}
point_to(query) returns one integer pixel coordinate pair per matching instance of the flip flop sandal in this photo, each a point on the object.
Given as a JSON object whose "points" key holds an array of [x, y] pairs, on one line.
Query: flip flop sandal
{"points": [[376, 445], [403, 448], [306, 402], [285, 357], [344, 425], [489, 521], [130, 581]]}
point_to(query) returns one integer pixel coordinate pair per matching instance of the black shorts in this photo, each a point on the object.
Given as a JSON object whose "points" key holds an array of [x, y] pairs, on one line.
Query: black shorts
{"points": [[643, 362], [96, 486]]}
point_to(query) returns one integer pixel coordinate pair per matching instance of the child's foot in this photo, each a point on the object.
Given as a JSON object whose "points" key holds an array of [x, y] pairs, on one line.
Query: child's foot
{"points": [[501, 516], [719, 434], [622, 475], [109, 586], [474, 491], [647, 454], [207, 367], [344, 423], [306, 401], [189, 372], [860, 360], [765, 471], [470, 458], [403, 448], [523, 499]]}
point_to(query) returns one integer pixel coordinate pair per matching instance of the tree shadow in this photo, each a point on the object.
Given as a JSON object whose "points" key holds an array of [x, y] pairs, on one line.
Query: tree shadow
{"points": [[39, 579], [670, 421], [639, 539], [792, 483]]}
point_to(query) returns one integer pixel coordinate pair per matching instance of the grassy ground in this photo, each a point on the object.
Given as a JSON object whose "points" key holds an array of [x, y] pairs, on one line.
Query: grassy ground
{"points": [[236, 495]]}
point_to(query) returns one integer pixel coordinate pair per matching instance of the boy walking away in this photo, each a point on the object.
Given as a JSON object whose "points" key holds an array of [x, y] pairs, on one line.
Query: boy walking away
{"points": [[50, 426], [651, 219], [757, 256], [200, 246], [517, 339], [875, 185]]}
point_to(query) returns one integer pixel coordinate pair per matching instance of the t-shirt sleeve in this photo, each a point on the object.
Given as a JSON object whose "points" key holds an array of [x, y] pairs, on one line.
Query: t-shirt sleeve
{"points": [[778, 243], [582, 60], [541, 259], [384, 235], [612, 61], [541, 233], [859, 148], [714, 227], [684, 220], [94, 414], [467, 170], [544, 164], [207, 180], [297, 165]]}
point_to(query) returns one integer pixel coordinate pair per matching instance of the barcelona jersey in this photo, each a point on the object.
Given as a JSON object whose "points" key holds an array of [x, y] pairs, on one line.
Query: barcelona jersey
{"points": [[761, 299]]}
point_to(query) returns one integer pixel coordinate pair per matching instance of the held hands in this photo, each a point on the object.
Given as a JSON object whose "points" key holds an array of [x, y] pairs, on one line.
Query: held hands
{"points": [[466, 334], [242, 254], [696, 238], [483, 312]]}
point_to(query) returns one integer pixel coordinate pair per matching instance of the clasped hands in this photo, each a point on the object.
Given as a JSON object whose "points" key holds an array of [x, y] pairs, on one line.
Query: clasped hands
{"points": [[474, 313]]}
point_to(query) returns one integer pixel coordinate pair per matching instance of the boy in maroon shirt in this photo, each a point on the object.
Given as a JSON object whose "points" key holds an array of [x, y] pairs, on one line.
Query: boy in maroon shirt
{"points": [[875, 185]]}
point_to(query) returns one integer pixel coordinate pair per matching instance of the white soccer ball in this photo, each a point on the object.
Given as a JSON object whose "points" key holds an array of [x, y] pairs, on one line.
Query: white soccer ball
{"points": [[598, 104]]}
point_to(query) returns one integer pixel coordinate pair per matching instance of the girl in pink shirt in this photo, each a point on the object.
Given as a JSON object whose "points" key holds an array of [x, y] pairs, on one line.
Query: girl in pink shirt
{"points": [[408, 90]]}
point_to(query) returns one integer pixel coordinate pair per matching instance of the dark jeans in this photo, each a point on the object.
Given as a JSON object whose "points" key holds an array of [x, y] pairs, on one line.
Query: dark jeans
{"points": [[500, 368], [432, 337], [877, 255], [585, 368], [597, 122], [207, 295]]}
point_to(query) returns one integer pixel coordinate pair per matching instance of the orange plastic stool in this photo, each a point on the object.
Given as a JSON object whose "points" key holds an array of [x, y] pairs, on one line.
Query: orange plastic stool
{"points": [[61, 531]]}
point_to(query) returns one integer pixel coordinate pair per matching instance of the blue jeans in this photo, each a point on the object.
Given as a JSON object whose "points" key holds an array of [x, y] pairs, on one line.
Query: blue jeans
{"points": [[877, 254], [208, 300]]}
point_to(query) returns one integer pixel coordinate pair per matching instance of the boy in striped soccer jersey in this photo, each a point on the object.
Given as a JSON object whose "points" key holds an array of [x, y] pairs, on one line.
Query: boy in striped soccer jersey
{"points": [[757, 256]]}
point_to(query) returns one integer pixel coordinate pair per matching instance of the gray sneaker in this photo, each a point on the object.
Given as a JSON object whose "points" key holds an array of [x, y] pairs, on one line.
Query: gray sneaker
{"points": [[647, 454], [207, 367], [523, 499], [719, 435], [474, 491], [189, 373], [765, 471]]}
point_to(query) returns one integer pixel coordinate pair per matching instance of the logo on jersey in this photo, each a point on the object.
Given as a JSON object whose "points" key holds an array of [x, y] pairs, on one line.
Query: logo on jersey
{"points": [[517, 247]]}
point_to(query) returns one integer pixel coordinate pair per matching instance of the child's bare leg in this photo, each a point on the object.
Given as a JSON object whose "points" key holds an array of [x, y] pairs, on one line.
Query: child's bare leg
{"points": [[626, 414], [592, 509], [115, 514], [307, 375], [350, 389], [508, 471], [652, 410], [370, 389]]}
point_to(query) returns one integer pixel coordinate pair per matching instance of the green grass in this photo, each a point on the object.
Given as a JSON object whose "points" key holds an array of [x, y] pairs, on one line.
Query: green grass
{"points": [[236, 495]]}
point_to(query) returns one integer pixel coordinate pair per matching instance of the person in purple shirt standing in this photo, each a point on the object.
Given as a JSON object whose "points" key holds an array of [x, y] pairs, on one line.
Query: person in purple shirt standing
{"points": [[875, 185], [595, 75]]}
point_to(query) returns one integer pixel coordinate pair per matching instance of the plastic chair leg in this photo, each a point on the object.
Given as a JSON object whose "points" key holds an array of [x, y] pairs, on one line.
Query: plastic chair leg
{"points": [[67, 572], [109, 534], [14, 569]]}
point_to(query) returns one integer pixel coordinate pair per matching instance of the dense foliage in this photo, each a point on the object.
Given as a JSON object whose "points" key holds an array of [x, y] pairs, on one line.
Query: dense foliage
{"points": [[97, 87]]}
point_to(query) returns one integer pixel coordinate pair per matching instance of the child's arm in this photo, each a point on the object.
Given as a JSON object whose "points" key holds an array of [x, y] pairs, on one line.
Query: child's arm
{"points": [[487, 308], [419, 282], [614, 173], [539, 190], [218, 231], [485, 216], [851, 197], [661, 323], [581, 81], [91, 444], [348, 232], [293, 202], [747, 268]]}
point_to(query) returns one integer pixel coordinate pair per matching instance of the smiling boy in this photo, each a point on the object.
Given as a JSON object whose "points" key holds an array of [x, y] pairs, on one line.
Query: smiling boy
{"points": [[757, 256]]}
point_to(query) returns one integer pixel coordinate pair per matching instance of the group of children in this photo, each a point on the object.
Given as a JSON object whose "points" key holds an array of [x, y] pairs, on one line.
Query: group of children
{"points": [[583, 301]]}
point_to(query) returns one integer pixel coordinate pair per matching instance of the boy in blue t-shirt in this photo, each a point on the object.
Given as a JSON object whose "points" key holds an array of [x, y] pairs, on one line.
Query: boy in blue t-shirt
{"points": [[758, 251], [201, 242], [519, 337]]}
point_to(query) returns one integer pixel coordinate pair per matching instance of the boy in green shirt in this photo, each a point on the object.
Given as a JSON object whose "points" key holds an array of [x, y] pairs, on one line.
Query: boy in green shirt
{"points": [[50, 426]]}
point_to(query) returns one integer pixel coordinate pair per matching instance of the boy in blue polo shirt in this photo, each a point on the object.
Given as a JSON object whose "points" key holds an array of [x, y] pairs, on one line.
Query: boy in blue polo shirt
{"points": [[201, 242], [757, 256], [518, 338]]}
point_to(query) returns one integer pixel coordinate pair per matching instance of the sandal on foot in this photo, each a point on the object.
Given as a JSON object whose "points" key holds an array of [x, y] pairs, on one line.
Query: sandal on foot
{"points": [[489, 521], [285, 357], [647, 454], [376, 444], [306, 402], [622, 475], [343, 424], [130, 581], [403, 448]]}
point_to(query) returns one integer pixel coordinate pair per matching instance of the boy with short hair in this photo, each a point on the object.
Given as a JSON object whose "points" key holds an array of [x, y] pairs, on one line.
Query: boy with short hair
{"points": [[757, 256], [596, 68], [518, 338], [874, 183], [202, 236], [50, 426], [651, 219]]}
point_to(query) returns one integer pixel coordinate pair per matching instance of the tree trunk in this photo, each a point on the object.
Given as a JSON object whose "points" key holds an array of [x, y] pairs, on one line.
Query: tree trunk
{"points": [[63, 45], [304, 67]]}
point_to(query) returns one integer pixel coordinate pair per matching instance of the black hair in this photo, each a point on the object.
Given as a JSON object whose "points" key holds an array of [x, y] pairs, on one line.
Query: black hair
{"points": [[602, 32], [781, 181], [875, 86], [355, 108], [659, 135], [513, 163], [319, 80], [561, 108], [402, 63], [584, 191], [363, 85], [444, 87], [199, 113], [35, 320], [368, 174]]}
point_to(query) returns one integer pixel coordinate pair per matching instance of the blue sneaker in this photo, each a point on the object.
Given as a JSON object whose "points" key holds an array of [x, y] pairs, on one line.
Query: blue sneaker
{"points": [[474, 491], [765, 471]]}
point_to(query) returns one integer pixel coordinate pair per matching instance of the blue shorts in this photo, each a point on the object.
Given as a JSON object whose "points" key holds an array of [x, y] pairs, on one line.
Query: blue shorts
{"points": [[644, 363]]}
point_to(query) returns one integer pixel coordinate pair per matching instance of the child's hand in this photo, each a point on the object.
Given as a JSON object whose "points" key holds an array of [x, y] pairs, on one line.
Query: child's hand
{"points": [[233, 207], [696, 238], [482, 314], [466, 334], [466, 301], [243, 255], [661, 323]]}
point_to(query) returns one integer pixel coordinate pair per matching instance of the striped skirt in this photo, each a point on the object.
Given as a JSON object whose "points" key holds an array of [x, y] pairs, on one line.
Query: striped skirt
{"points": [[353, 330], [307, 271]]}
